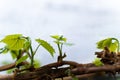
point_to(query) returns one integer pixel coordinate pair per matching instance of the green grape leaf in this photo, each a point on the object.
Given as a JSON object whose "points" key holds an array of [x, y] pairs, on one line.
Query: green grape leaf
{"points": [[100, 44], [107, 42], [23, 58], [14, 54], [46, 45], [113, 46], [59, 38], [27, 45], [4, 50], [104, 43], [97, 62], [111, 43], [14, 42], [55, 37]]}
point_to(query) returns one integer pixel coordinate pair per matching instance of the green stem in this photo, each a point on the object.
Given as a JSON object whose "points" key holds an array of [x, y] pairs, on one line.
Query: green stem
{"points": [[61, 47], [60, 52], [36, 49], [118, 43], [32, 56], [31, 51], [29, 54]]}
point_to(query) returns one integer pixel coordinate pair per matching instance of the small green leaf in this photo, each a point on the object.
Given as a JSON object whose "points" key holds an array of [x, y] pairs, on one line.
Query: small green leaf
{"points": [[4, 50], [36, 63], [107, 42], [104, 43], [55, 37], [46, 45], [14, 42], [23, 58], [97, 62], [100, 44], [14, 54], [111, 43], [59, 38]]}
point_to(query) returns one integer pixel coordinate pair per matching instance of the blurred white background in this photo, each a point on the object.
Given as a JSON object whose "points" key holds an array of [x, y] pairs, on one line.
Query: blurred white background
{"points": [[83, 22]]}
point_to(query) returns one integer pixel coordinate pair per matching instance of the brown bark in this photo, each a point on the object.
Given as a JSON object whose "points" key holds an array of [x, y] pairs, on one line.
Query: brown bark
{"points": [[55, 70]]}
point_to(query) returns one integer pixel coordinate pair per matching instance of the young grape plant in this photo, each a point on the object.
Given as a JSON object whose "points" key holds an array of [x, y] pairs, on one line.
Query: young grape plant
{"points": [[21, 49], [111, 45]]}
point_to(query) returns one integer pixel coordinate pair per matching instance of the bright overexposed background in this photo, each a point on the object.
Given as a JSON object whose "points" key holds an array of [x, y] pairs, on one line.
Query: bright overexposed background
{"points": [[82, 22]]}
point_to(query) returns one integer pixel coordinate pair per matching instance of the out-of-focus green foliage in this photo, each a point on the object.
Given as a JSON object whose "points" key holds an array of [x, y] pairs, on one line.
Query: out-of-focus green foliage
{"points": [[75, 78], [98, 62]]}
